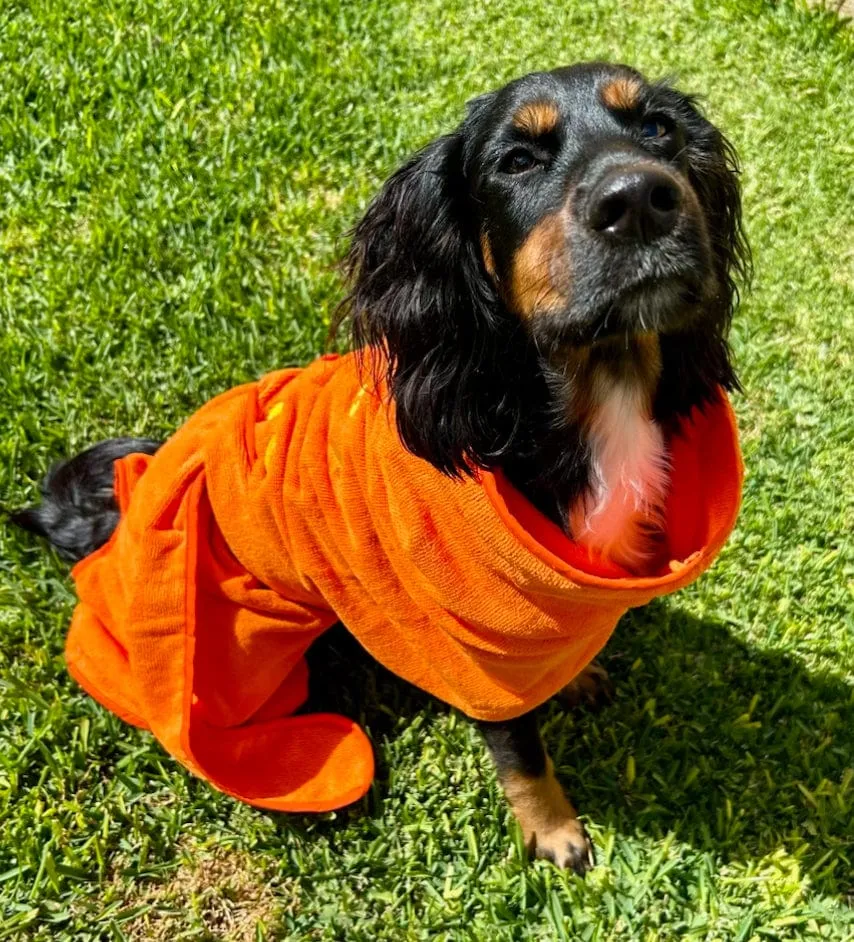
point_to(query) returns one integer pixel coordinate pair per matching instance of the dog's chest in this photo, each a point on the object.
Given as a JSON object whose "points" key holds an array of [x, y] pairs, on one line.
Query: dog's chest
{"points": [[620, 516]]}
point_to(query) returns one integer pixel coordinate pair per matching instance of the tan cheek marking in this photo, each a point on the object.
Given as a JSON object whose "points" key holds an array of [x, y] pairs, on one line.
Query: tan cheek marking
{"points": [[486, 252], [540, 275], [537, 118], [622, 94]]}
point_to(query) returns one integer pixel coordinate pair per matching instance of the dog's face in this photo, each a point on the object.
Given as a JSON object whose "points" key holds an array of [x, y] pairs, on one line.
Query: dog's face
{"points": [[569, 210], [589, 217]]}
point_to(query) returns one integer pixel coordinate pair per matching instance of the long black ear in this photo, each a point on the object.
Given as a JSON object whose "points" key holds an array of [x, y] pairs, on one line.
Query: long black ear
{"points": [[698, 362], [419, 292], [714, 172]]}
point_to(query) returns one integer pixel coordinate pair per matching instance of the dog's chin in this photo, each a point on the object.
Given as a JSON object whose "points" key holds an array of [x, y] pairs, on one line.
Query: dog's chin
{"points": [[665, 305], [659, 306]]}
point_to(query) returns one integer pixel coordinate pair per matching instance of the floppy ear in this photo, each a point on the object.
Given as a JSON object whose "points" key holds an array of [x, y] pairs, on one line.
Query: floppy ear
{"points": [[420, 293], [697, 362], [714, 173]]}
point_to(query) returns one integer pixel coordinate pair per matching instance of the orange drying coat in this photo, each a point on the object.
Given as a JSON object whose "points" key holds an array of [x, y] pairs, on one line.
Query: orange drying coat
{"points": [[285, 505]]}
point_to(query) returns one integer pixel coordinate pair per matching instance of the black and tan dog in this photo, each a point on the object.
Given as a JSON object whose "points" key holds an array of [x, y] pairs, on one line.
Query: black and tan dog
{"points": [[552, 284], [554, 281]]}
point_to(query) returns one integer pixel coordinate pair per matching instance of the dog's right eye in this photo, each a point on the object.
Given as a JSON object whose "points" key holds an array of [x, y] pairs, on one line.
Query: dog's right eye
{"points": [[518, 160]]}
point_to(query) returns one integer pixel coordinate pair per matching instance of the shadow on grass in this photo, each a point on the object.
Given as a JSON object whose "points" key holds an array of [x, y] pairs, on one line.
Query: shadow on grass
{"points": [[736, 751]]}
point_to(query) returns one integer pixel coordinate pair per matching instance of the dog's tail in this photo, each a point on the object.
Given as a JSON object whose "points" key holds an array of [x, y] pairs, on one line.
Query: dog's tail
{"points": [[78, 512]]}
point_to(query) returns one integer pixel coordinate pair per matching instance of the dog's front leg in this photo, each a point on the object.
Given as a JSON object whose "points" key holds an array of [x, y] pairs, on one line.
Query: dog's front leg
{"points": [[549, 823]]}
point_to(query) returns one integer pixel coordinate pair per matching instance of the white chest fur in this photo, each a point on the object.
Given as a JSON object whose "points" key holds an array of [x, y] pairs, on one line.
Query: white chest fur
{"points": [[618, 517]]}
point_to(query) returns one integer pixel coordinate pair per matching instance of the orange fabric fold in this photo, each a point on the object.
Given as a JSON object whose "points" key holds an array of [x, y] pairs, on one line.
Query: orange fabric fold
{"points": [[285, 505]]}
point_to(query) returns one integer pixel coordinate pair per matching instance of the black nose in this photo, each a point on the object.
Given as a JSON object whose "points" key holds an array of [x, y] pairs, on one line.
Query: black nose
{"points": [[639, 203]]}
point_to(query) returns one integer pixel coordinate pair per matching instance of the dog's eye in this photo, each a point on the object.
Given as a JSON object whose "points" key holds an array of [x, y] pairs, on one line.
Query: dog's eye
{"points": [[655, 127], [518, 160]]}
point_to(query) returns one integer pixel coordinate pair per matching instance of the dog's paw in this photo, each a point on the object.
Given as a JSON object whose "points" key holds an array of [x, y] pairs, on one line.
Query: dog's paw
{"points": [[567, 846], [591, 688], [550, 826]]}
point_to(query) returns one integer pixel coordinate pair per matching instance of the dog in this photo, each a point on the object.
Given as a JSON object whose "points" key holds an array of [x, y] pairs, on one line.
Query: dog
{"points": [[551, 287]]}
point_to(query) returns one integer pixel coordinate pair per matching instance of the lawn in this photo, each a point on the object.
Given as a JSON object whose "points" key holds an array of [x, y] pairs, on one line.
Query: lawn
{"points": [[176, 182]]}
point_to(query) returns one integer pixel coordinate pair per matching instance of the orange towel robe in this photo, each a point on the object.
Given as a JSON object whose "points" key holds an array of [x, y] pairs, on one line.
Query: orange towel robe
{"points": [[285, 505]]}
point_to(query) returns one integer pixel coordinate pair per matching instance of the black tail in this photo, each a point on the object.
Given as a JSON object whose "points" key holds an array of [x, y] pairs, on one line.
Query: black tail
{"points": [[78, 512]]}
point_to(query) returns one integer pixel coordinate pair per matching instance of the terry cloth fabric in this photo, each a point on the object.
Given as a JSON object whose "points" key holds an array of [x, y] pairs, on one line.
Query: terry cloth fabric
{"points": [[285, 505]]}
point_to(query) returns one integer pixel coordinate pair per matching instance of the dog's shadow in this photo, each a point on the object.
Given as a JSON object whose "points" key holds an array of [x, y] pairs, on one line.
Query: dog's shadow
{"points": [[734, 750]]}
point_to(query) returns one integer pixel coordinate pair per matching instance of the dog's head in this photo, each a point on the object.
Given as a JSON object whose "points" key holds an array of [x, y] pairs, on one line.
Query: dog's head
{"points": [[569, 208]]}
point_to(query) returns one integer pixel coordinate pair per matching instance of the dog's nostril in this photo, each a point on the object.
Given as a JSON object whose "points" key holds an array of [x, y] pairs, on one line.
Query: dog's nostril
{"points": [[610, 211], [663, 198]]}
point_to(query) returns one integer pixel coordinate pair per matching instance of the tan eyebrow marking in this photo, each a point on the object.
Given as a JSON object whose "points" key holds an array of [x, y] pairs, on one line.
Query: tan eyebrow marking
{"points": [[537, 118], [622, 94]]}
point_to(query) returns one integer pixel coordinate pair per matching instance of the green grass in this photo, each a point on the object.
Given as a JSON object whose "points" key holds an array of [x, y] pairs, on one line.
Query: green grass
{"points": [[175, 182]]}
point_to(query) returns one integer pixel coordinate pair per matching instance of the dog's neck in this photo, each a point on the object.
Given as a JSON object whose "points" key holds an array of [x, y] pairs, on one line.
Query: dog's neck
{"points": [[608, 393]]}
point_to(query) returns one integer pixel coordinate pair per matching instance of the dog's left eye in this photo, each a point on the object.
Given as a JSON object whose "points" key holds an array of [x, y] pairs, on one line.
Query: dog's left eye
{"points": [[655, 127], [518, 160]]}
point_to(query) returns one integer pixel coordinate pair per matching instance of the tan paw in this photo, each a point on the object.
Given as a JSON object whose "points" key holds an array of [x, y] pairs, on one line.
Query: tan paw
{"points": [[592, 688], [567, 846], [548, 821]]}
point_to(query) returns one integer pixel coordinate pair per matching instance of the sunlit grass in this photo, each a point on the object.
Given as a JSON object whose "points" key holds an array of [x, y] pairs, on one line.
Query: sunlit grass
{"points": [[175, 184]]}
